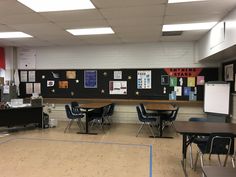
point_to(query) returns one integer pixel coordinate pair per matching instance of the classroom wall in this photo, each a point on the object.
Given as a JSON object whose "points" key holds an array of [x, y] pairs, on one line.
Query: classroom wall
{"points": [[149, 55]]}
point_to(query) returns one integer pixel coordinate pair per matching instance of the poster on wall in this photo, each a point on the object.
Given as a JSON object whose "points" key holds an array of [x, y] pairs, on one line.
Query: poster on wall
{"points": [[70, 74], [63, 85], [23, 76], [144, 79], [117, 74], [229, 72], [29, 88], [90, 79], [31, 76], [118, 87], [164, 80], [37, 88]]}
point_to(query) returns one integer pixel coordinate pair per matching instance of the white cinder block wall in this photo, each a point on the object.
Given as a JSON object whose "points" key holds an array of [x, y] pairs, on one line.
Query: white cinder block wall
{"points": [[150, 55]]}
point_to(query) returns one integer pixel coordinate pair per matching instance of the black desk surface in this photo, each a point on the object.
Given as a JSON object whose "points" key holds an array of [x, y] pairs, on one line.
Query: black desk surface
{"points": [[186, 127]]}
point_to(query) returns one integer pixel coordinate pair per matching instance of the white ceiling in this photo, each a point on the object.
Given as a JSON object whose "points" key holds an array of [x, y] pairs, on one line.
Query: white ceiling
{"points": [[133, 21]]}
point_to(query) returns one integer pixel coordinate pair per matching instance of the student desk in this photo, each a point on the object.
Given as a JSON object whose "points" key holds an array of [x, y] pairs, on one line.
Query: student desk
{"points": [[87, 107], [199, 129], [21, 116], [216, 171], [160, 108]]}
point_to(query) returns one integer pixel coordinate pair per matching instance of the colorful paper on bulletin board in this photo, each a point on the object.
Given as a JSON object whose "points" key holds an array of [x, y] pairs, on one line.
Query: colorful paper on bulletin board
{"points": [[192, 97], [187, 90], [118, 87], [70, 74], [164, 80], [173, 81], [144, 79], [178, 90], [191, 81], [172, 95], [200, 80], [90, 79], [63, 85]]}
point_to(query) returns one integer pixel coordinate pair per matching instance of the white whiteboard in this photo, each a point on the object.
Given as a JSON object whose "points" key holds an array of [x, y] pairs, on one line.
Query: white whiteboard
{"points": [[216, 98]]}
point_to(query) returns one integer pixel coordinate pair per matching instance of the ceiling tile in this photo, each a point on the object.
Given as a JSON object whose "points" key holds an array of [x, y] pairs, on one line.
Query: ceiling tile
{"points": [[125, 3], [179, 19], [23, 19], [77, 15], [139, 22], [83, 24], [134, 12]]}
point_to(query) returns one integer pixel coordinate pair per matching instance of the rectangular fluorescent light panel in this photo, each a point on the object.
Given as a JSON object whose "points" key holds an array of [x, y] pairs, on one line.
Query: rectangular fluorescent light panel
{"points": [[91, 31], [180, 1], [188, 27], [57, 5], [5, 35]]}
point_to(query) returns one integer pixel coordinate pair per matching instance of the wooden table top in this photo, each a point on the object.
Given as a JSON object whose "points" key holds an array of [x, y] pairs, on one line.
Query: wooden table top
{"points": [[160, 107], [186, 127], [216, 171], [93, 105]]}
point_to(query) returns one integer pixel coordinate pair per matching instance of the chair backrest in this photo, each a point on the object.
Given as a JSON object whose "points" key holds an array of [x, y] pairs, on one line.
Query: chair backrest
{"points": [[68, 112], [142, 108], [111, 109], [174, 114], [75, 107], [140, 115], [220, 143], [105, 111]]}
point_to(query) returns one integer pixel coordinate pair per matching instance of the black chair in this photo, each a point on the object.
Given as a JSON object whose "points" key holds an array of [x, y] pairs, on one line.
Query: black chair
{"points": [[98, 116], [169, 116], [72, 117], [145, 121], [196, 139], [109, 114], [217, 144]]}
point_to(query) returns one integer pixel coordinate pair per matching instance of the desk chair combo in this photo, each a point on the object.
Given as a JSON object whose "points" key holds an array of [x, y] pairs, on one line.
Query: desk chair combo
{"points": [[217, 144], [196, 139], [146, 120], [72, 117]]}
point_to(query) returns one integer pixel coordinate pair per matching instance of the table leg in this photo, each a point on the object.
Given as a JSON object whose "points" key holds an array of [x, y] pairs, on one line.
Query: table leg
{"points": [[86, 125], [184, 154]]}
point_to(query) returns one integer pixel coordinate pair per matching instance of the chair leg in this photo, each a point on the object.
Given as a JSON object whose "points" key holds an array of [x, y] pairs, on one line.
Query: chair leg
{"points": [[226, 159], [140, 128], [233, 161], [151, 130], [201, 158], [68, 125]]}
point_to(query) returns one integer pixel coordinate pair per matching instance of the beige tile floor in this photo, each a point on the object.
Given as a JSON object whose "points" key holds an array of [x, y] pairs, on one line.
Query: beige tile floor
{"points": [[115, 153]]}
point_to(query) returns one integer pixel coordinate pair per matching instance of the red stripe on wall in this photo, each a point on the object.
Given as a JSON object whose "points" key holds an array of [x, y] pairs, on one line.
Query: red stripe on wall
{"points": [[2, 58]]}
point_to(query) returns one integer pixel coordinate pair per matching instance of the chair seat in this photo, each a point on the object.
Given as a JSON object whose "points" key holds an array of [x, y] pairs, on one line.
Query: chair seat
{"points": [[149, 119]]}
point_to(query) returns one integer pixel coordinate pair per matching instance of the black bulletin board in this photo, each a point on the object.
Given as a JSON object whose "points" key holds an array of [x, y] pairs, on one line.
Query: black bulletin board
{"points": [[77, 90]]}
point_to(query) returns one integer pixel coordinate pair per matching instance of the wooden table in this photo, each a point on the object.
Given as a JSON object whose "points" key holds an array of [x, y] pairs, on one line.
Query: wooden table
{"points": [[160, 108], [199, 129], [87, 107], [216, 171]]}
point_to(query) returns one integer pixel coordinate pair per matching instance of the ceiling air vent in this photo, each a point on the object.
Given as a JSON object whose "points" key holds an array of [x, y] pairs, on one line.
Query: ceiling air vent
{"points": [[172, 33]]}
